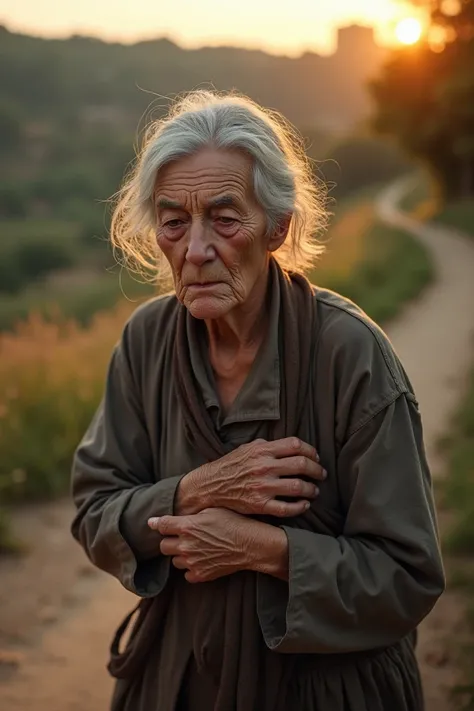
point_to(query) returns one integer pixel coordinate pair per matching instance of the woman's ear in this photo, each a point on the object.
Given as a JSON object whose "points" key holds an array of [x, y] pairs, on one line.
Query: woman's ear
{"points": [[279, 233]]}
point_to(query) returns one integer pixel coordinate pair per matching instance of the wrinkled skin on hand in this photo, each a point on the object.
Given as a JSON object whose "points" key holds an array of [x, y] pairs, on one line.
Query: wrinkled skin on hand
{"points": [[253, 479], [218, 542]]}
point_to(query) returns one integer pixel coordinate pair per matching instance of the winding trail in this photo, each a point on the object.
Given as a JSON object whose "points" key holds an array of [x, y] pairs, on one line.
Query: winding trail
{"points": [[57, 614], [434, 337]]}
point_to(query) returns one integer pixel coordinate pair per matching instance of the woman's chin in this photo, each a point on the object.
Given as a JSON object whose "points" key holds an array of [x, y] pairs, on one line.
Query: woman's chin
{"points": [[208, 307]]}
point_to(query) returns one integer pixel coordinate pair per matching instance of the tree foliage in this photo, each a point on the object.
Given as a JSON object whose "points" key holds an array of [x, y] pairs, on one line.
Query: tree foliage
{"points": [[424, 96]]}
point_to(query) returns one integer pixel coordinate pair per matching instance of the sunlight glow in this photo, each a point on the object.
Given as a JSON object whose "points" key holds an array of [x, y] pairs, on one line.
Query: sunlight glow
{"points": [[409, 31], [276, 26]]}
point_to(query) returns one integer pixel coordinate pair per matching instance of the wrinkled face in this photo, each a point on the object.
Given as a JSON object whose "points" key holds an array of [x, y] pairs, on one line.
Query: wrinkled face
{"points": [[212, 230]]}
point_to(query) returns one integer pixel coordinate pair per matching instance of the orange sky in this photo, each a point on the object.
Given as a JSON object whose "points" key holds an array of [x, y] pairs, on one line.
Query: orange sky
{"points": [[282, 26]]}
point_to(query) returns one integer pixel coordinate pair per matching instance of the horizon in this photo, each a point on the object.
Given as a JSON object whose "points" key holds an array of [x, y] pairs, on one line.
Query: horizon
{"points": [[173, 40], [314, 29]]}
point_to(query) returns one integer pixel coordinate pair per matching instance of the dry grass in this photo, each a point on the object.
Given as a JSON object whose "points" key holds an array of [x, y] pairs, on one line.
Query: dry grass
{"points": [[51, 378]]}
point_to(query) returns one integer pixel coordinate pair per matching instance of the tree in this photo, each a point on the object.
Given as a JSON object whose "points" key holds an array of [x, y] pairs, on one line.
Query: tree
{"points": [[424, 96]]}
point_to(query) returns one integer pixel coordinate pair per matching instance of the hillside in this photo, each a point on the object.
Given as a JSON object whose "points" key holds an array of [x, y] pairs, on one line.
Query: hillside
{"points": [[69, 115], [87, 78]]}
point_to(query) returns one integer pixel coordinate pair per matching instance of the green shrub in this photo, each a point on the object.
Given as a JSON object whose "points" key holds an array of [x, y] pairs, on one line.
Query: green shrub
{"points": [[459, 215], [78, 298], [394, 269], [32, 248]]}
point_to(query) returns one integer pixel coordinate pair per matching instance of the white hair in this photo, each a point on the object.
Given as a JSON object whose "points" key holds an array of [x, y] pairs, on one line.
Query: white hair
{"points": [[283, 179]]}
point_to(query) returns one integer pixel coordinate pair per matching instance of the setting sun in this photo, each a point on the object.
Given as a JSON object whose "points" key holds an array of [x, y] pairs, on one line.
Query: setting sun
{"points": [[409, 31]]}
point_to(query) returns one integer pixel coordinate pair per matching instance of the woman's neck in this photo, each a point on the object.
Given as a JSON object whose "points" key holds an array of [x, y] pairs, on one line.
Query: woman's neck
{"points": [[234, 342], [244, 326]]}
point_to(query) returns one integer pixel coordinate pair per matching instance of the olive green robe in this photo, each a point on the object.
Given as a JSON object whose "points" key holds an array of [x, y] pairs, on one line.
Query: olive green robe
{"points": [[354, 597]]}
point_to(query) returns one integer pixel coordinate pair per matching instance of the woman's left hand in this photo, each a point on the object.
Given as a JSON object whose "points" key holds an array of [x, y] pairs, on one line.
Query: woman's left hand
{"points": [[219, 542]]}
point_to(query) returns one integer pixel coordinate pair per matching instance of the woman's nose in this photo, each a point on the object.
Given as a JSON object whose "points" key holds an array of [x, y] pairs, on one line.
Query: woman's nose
{"points": [[200, 248]]}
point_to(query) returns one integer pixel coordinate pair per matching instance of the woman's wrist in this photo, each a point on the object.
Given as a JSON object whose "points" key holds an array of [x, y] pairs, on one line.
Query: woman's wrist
{"points": [[189, 499], [270, 551]]}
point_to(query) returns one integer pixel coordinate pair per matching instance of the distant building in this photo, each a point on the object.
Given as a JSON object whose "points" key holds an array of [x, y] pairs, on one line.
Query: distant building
{"points": [[357, 40], [357, 59]]}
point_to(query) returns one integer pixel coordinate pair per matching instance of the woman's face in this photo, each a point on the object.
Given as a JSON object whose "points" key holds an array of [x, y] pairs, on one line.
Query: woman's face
{"points": [[212, 230]]}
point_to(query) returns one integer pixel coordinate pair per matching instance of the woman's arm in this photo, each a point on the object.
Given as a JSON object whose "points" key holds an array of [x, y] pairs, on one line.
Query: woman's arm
{"points": [[115, 490], [374, 584]]}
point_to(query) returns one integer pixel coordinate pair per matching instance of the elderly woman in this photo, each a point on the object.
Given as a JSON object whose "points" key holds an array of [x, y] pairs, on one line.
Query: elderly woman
{"points": [[256, 471]]}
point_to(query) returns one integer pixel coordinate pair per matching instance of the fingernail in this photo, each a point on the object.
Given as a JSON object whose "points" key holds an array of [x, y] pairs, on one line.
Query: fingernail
{"points": [[306, 506], [153, 522], [325, 474]]}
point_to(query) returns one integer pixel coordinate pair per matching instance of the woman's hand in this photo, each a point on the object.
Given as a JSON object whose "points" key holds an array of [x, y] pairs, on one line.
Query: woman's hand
{"points": [[249, 479], [218, 542]]}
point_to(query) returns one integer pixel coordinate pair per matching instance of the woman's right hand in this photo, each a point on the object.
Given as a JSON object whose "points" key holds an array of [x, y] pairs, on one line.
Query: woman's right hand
{"points": [[249, 479]]}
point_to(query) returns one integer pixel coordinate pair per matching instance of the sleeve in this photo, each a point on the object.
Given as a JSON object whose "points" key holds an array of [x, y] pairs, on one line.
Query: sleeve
{"points": [[372, 585], [115, 488]]}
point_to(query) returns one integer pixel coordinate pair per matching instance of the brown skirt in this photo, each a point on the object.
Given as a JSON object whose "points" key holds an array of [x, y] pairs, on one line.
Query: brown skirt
{"points": [[382, 680], [386, 680]]}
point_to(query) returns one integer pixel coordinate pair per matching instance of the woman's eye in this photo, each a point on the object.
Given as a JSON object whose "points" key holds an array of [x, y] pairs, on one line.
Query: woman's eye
{"points": [[173, 224], [226, 221]]}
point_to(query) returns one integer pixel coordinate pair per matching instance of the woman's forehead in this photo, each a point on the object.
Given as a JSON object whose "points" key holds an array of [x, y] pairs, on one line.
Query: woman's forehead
{"points": [[224, 200], [219, 175]]}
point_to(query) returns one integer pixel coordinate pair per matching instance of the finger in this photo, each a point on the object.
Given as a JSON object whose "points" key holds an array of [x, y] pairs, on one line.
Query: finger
{"points": [[179, 563], [284, 509], [294, 487], [299, 466], [290, 447], [193, 577], [167, 525], [170, 546]]}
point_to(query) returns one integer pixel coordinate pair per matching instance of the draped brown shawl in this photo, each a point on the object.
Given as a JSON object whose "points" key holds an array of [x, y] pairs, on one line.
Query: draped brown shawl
{"points": [[227, 640]]}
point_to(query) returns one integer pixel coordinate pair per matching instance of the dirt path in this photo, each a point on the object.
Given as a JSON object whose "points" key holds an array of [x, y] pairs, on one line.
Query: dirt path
{"points": [[57, 614], [435, 340]]}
